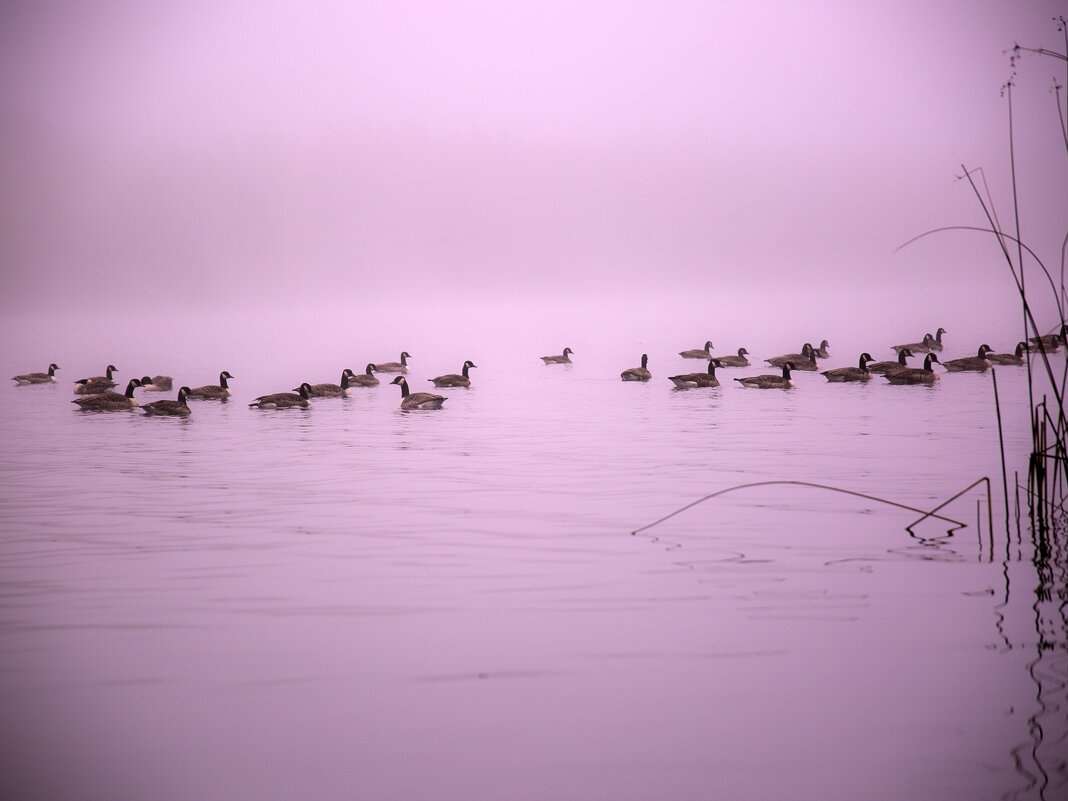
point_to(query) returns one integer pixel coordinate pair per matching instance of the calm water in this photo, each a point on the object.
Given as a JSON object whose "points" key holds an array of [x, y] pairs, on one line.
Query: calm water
{"points": [[356, 602]]}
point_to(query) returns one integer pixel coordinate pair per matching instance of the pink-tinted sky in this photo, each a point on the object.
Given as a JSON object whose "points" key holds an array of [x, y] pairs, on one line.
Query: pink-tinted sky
{"points": [[169, 152]]}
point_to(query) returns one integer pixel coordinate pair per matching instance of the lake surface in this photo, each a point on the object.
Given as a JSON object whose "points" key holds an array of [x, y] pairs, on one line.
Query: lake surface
{"points": [[352, 601]]}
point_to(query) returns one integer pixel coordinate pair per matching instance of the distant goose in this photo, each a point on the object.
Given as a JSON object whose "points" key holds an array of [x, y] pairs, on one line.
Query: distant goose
{"points": [[220, 391], [917, 347], [735, 361], [936, 345], [454, 380], [417, 400], [805, 360], [974, 364], [563, 358], [886, 367], [157, 383], [37, 378], [394, 367], [1050, 343], [770, 381], [171, 408], [366, 379], [100, 379], [821, 351], [858, 373], [638, 373], [698, 353], [693, 380], [1009, 358], [110, 401], [97, 384], [331, 390], [284, 400], [915, 375]]}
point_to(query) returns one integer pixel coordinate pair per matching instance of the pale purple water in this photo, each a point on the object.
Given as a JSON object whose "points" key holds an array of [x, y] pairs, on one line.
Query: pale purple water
{"points": [[355, 602]]}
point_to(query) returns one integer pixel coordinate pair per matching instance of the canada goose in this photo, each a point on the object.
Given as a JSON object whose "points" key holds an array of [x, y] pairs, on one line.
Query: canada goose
{"points": [[417, 400], [915, 375], [692, 380], [735, 361], [805, 360], [284, 400], [698, 353], [366, 379], [220, 391], [37, 378], [330, 390], [858, 373], [454, 380], [100, 379], [1009, 358], [937, 343], [157, 383], [821, 351], [394, 367], [638, 373], [171, 408], [110, 401], [770, 381], [975, 364], [917, 347], [1050, 343], [886, 367], [563, 358]]}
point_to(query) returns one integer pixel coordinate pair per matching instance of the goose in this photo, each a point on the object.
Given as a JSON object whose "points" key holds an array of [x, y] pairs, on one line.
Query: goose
{"points": [[37, 378], [97, 384], [735, 361], [692, 380], [698, 353], [974, 364], [220, 391], [100, 379], [770, 381], [454, 380], [330, 390], [1050, 343], [110, 401], [1009, 358], [917, 347], [170, 408], [915, 375], [394, 367], [886, 367], [821, 351], [417, 400], [858, 373], [937, 343], [563, 358], [638, 373], [805, 360], [157, 383], [366, 379], [284, 400]]}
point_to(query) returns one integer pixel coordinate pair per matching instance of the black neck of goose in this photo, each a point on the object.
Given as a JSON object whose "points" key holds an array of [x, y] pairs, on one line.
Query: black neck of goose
{"points": [[130, 389], [645, 361], [222, 381], [786, 372], [404, 388], [404, 359], [928, 362], [711, 367], [345, 380], [901, 357], [370, 369], [465, 371], [1020, 348], [863, 364], [109, 371], [52, 370]]}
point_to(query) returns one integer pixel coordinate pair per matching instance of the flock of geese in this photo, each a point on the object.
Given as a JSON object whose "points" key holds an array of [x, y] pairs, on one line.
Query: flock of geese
{"points": [[98, 395]]}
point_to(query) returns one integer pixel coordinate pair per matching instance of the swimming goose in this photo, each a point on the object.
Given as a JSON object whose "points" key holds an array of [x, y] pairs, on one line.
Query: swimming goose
{"points": [[886, 367], [220, 391], [100, 379], [638, 373], [454, 380], [37, 378], [170, 408], [284, 400], [858, 373], [157, 383], [917, 347], [417, 400], [366, 379], [96, 384], [770, 381], [975, 364], [915, 375], [110, 401], [330, 390], [1050, 343], [394, 367], [1009, 358], [692, 380], [937, 343], [563, 358], [805, 360], [821, 351], [734, 361], [698, 353]]}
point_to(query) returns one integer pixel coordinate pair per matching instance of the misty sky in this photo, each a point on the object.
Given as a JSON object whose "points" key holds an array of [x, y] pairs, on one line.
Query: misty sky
{"points": [[177, 152]]}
